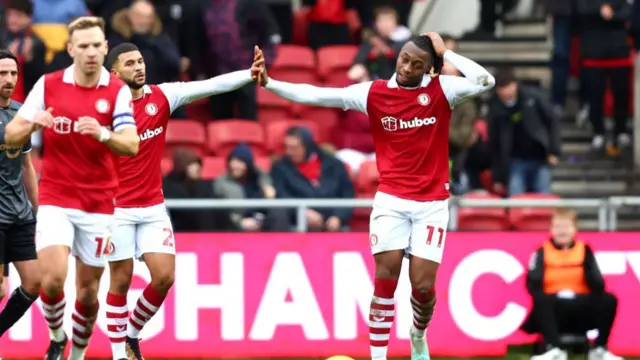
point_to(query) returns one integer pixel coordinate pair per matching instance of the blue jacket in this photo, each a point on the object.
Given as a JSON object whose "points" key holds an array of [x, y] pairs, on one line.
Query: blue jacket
{"points": [[334, 183]]}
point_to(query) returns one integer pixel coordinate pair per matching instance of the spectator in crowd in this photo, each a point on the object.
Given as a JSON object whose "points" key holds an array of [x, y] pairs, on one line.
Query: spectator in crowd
{"points": [[328, 22], [282, 11], [568, 292], [524, 136], [605, 56], [106, 9], [562, 15], [307, 172], [27, 47], [184, 182], [463, 134], [243, 180], [376, 58], [140, 25], [232, 29], [58, 11], [367, 9], [490, 12]]}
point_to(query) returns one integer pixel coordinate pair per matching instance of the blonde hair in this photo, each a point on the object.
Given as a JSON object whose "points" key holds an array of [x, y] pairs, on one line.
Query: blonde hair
{"points": [[86, 22], [566, 213]]}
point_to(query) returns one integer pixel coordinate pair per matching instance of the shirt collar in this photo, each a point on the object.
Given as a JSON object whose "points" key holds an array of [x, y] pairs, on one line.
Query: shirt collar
{"points": [[69, 78], [392, 83]]}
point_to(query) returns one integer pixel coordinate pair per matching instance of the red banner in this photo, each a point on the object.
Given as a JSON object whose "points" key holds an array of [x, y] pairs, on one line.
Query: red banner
{"points": [[308, 295]]}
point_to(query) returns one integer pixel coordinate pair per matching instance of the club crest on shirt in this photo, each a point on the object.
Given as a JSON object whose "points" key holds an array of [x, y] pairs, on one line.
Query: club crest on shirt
{"points": [[102, 106], [423, 99], [151, 109]]}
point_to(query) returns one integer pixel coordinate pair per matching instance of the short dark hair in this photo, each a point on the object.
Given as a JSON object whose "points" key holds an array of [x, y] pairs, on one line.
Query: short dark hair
{"points": [[115, 53], [25, 6], [424, 43], [505, 76], [7, 54]]}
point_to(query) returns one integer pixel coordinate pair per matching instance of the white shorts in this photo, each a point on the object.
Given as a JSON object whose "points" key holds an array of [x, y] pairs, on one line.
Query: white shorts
{"points": [[138, 231], [418, 228], [86, 234]]}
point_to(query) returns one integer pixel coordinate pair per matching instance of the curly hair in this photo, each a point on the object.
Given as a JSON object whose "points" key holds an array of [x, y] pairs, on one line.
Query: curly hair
{"points": [[424, 43]]}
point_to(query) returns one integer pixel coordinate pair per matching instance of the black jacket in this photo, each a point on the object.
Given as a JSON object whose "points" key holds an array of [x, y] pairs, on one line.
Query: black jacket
{"points": [[558, 7], [334, 183], [538, 119], [599, 38], [535, 275]]}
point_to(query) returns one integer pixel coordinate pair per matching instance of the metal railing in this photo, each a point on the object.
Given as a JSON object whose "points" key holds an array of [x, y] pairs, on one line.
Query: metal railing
{"points": [[607, 208]]}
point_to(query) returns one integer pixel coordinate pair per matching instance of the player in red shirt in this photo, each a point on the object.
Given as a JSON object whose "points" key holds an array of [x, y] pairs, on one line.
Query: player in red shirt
{"points": [[86, 119], [409, 116], [142, 228]]}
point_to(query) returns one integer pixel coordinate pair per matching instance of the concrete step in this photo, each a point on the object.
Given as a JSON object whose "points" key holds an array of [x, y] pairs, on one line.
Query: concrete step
{"points": [[504, 46], [537, 29], [571, 133], [575, 148], [570, 173], [589, 188]]}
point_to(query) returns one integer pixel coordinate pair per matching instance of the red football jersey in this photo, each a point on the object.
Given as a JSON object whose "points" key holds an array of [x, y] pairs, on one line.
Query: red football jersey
{"points": [[78, 171], [141, 175], [410, 129]]}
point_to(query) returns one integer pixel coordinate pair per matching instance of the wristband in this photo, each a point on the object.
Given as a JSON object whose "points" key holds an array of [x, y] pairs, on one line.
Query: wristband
{"points": [[105, 135]]}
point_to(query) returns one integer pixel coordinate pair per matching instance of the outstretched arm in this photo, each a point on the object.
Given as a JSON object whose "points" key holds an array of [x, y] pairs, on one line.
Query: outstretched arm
{"points": [[182, 93], [476, 79], [353, 97]]}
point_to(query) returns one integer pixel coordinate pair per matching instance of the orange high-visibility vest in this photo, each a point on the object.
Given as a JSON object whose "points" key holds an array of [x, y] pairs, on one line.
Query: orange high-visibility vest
{"points": [[564, 269]]}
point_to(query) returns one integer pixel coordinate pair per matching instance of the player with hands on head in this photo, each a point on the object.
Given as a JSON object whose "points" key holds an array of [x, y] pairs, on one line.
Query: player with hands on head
{"points": [[142, 228], [86, 119], [409, 116]]}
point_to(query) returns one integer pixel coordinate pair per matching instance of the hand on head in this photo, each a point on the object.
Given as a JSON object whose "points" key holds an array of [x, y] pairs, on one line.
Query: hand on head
{"points": [[258, 68], [438, 43]]}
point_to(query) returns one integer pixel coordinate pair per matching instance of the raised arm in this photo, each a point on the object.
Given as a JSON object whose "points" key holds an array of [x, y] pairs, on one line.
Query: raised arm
{"points": [[353, 97], [182, 93], [476, 79]]}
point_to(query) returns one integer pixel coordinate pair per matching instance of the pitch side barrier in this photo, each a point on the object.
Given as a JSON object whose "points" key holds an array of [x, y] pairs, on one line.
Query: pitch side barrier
{"points": [[607, 208]]}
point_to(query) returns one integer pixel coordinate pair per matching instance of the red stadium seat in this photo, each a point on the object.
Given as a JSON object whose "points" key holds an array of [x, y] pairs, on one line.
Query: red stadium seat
{"points": [[530, 219], [294, 64], [200, 110], [224, 135], [272, 107], [326, 118], [367, 178], [166, 165], [263, 163], [185, 133], [482, 218], [213, 167], [276, 131], [334, 62]]}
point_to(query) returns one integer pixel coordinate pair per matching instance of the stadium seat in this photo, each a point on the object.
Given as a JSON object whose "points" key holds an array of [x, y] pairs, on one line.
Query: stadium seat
{"points": [[276, 131], [224, 135], [185, 133], [212, 167], [334, 62], [166, 165], [200, 110], [326, 118], [294, 64], [531, 219], [367, 178], [482, 218], [272, 107], [263, 163]]}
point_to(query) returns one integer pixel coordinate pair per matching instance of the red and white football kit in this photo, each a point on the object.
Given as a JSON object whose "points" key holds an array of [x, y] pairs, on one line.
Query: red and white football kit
{"points": [[142, 224], [410, 128], [79, 173]]}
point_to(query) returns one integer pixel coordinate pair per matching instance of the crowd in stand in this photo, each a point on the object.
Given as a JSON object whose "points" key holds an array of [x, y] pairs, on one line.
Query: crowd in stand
{"points": [[508, 153]]}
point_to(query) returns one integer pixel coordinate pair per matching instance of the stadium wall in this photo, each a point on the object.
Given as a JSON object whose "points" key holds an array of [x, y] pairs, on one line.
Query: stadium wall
{"points": [[307, 295]]}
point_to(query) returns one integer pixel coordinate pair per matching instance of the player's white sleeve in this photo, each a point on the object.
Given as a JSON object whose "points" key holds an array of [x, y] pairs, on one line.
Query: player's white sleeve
{"points": [[34, 102], [352, 97], [123, 110], [182, 93], [476, 79]]}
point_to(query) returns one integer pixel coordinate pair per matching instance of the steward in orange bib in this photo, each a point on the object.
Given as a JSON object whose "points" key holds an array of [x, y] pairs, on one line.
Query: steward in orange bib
{"points": [[568, 292]]}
